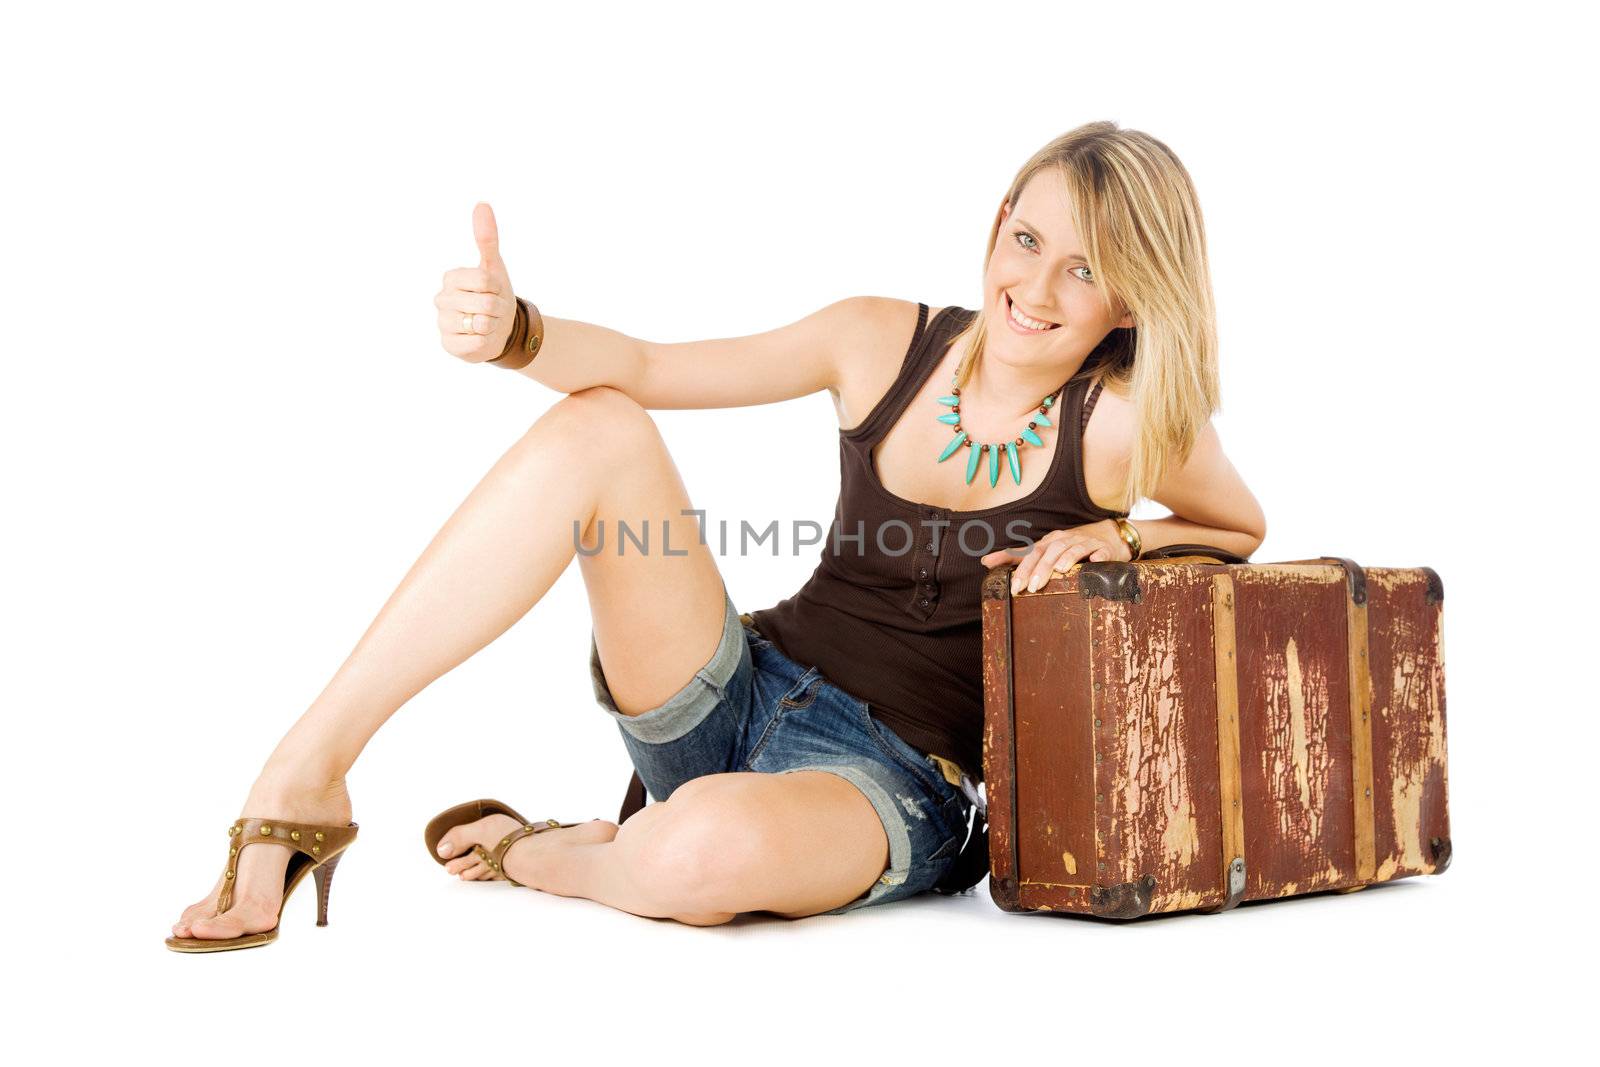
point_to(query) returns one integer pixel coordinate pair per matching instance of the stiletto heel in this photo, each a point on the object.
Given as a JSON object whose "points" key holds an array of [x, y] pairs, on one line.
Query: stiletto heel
{"points": [[314, 849], [324, 876]]}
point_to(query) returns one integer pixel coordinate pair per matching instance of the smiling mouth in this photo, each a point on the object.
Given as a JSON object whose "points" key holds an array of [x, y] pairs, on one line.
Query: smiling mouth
{"points": [[1007, 298]]}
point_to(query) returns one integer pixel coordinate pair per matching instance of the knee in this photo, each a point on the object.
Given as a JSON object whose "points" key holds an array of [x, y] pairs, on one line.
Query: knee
{"points": [[596, 417], [704, 848]]}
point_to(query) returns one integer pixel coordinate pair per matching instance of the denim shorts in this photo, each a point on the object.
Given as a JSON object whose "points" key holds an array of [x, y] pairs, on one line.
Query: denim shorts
{"points": [[751, 708]]}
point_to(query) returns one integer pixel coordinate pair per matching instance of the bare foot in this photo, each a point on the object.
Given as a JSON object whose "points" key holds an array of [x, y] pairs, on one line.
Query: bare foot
{"points": [[258, 883], [525, 859]]}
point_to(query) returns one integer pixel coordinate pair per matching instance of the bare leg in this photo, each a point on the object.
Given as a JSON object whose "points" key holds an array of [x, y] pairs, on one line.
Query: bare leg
{"points": [[794, 844], [593, 455]]}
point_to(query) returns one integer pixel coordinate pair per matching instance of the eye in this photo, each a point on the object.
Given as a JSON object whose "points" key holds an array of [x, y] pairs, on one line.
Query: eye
{"points": [[1025, 239]]}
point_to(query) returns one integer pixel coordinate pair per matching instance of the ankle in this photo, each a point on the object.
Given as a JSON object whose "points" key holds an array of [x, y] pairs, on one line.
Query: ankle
{"points": [[287, 791]]}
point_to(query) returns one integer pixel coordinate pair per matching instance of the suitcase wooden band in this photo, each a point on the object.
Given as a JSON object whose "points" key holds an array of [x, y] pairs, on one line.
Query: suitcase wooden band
{"points": [[1000, 588], [1361, 740], [1227, 665]]}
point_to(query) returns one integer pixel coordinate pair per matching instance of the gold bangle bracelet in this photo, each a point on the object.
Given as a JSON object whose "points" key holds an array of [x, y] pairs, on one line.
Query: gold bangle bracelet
{"points": [[1130, 537]]}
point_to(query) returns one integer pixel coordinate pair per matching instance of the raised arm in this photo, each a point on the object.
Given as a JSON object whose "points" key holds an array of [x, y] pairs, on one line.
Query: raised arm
{"points": [[795, 360], [477, 309]]}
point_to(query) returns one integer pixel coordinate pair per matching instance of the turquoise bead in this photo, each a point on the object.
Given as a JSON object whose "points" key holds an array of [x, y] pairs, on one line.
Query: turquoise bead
{"points": [[949, 401], [1011, 459], [1041, 420], [994, 465], [972, 462], [1031, 437], [1049, 400], [954, 444], [950, 418]]}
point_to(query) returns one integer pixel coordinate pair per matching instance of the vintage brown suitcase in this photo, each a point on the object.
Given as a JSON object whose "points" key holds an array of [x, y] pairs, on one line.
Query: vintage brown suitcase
{"points": [[1191, 731]]}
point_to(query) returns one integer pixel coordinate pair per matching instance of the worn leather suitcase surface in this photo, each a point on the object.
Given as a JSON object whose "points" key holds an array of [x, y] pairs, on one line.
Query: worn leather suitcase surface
{"points": [[1191, 731]]}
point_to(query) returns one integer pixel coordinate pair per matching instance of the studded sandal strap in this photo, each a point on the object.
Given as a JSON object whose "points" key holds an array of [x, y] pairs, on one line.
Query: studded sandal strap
{"points": [[320, 843], [496, 860]]}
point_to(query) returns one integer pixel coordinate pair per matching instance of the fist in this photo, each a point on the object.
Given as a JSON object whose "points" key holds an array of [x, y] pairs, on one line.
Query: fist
{"points": [[477, 308]]}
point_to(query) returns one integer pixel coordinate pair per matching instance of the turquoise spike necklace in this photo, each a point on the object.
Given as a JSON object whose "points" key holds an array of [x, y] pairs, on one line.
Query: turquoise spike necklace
{"points": [[953, 418]]}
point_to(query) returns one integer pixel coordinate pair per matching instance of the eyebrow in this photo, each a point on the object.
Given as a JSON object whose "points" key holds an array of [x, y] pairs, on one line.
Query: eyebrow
{"points": [[1040, 239]]}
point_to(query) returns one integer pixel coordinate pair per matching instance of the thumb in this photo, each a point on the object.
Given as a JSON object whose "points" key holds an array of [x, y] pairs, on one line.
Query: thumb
{"points": [[487, 235]]}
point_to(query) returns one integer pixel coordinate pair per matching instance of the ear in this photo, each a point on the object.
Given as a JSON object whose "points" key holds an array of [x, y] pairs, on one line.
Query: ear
{"points": [[1126, 320]]}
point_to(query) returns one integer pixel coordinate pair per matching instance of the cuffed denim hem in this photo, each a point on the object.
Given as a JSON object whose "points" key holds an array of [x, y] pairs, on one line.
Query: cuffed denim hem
{"points": [[689, 706], [894, 826]]}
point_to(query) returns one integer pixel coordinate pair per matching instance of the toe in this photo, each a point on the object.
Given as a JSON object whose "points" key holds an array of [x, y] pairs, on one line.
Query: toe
{"points": [[186, 921], [216, 926], [458, 840], [455, 841]]}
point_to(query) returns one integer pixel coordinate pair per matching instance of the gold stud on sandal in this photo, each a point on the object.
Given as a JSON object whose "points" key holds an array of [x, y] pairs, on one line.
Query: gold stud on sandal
{"points": [[319, 860], [472, 811]]}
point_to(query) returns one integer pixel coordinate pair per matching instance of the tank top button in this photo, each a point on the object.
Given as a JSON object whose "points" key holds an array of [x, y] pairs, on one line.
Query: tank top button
{"points": [[922, 572], [923, 602], [928, 547]]}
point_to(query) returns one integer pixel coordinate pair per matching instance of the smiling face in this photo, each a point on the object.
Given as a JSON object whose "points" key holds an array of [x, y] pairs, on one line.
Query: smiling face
{"points": [[1038, 268]]}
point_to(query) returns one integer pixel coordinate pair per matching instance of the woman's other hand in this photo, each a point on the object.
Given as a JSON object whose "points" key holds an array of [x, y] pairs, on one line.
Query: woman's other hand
{"points": [[477, 308], [1057, 551]]}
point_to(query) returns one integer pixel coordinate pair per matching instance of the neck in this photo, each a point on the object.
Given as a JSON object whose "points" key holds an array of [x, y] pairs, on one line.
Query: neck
{"points": [[1011, 394]]}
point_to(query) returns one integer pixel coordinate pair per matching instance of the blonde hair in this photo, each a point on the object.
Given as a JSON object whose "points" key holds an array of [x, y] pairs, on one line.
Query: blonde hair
{"points": [[1136, 212]]}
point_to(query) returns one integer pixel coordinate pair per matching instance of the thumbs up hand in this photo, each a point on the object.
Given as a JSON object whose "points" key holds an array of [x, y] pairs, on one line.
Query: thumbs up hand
{"points": [[477, 307]]}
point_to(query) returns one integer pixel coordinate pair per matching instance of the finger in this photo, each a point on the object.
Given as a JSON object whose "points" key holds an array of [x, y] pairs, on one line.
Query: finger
{"points": [[457, 322], [1075, 554], [1048, 564], [473, 279], [1004, 555], [1060, 561], [471, 347], [1019, 577], [487, 234], [471, 301]]}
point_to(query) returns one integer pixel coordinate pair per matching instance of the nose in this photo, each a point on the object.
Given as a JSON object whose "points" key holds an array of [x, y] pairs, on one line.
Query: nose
{"points": [[1035, 292]]}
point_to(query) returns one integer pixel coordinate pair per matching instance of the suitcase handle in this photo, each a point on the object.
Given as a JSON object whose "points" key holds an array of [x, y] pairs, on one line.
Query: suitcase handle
{"points": [[1169, 551]]}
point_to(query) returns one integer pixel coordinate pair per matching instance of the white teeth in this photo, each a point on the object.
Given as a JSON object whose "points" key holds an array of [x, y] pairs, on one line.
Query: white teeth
{"points": [[1022, 320]]}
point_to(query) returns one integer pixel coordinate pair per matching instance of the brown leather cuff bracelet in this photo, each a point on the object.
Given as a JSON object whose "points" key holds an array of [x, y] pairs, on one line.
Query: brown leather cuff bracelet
{"points": [[527, 335]]}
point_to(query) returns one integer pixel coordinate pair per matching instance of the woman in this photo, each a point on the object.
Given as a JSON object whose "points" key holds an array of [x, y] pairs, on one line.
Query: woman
{"points": [[815, 756]]}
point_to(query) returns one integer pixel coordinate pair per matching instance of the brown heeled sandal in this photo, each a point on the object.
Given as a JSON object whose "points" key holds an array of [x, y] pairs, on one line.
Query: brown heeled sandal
{"points": [[472, 811], [317, 849]]}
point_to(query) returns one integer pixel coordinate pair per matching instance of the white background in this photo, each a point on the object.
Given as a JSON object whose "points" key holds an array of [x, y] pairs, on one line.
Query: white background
{"points": [[229, 429]]}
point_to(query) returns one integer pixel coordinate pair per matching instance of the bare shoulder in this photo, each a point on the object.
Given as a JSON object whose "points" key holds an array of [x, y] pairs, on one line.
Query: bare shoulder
{"points": [[871, 351], [1108, 445], [1112, 422]]}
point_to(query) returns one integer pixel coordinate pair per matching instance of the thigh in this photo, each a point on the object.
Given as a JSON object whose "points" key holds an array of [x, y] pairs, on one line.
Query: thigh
{"points": [[656, 597], [701, 728], [793, 844], [726, 708], [921, 816]]}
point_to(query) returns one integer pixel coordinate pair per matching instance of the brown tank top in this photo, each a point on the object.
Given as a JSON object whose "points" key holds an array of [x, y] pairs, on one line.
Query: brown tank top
{"points": [[891, 614]]}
